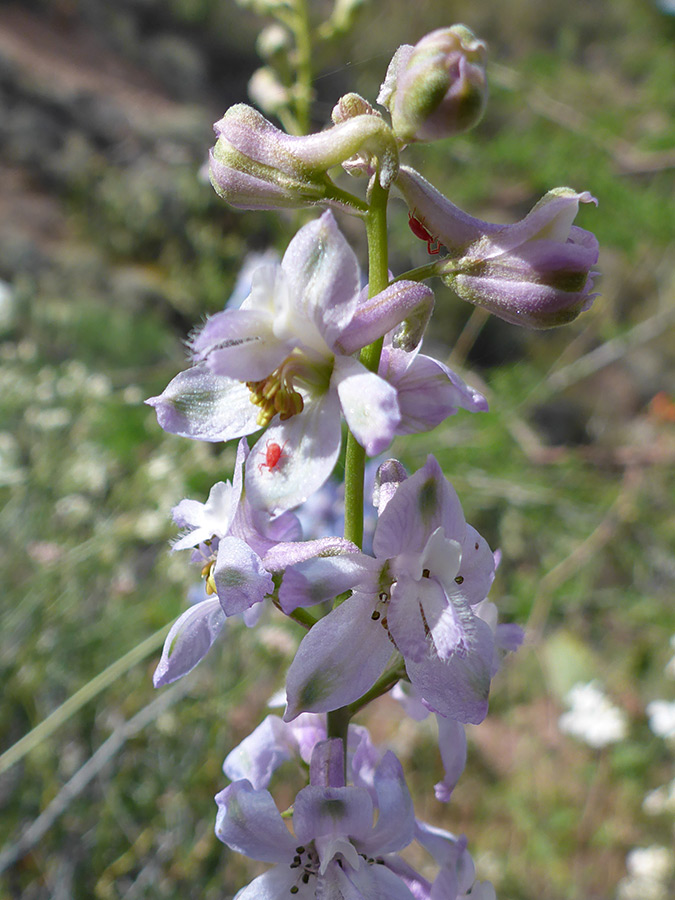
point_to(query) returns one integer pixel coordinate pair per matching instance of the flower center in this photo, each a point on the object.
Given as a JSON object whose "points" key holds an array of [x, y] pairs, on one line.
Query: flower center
{"points": [[307, 861], [278, 393]]}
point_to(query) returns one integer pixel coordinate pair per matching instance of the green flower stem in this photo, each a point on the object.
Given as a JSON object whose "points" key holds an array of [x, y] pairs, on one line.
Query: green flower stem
{"points": [[303, 46], [355, 461], [420, 273], [378, 279], [384, 683], [333, 192]]}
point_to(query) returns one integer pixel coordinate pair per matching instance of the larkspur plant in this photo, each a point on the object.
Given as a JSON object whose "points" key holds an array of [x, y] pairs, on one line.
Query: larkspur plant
{"points": [[308, 346]]}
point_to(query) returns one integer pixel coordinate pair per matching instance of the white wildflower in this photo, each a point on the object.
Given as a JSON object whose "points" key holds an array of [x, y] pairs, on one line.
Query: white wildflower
{"points": [[592, 717]]}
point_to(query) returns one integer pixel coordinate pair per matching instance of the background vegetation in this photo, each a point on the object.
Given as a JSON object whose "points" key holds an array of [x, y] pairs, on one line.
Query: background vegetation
{"points": [[112, 246]]}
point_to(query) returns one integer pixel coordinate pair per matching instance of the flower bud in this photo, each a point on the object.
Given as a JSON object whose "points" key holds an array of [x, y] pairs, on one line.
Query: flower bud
{"points": [[256, 166], [273, 42], [347, 107], [267, 92], [536, 272], [436, 88]]}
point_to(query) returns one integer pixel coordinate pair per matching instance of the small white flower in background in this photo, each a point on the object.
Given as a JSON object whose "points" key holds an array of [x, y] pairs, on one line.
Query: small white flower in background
{"points": [[662, 718], [660, 800], [670, 665], [649, 871], [592, 717]]}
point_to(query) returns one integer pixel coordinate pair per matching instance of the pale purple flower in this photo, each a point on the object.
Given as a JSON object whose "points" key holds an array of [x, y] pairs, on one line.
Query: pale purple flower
{"points": [[537, 272], [427, 390], [415, 597], [274, 742], [451, 738], [285, 360], [229, 536], [456, 877], [335, 849], [254, 165]]}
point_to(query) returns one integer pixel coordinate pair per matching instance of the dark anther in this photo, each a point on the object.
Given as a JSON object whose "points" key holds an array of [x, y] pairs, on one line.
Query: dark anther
{"points": [[385, 623], [375, 616], [305, 878], [384, 596], [296, 859], [476, 547], [426, 573], [295, 889], [299, 849], [294, 865], [460, 579]]}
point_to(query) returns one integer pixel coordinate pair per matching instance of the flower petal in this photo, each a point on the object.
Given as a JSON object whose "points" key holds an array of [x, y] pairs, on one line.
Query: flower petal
{"points": [[241, 580], [332, 812], [290, 554], [395, 827], [310, 445], [261, 753], [205, 520], [277, 884], [452, 744], [240, 343], [375, 316], [476, 570], [249, 822], [189, 640], [323, 276], [428, 391], [377, 882], [338, 660], [206, 407], [404, 619], [369, 404], [444, 221], [421, 504], [316, 580], [457, 687]]}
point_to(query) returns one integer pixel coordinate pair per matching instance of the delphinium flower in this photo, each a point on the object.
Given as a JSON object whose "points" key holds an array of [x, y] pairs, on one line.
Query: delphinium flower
{"points": [[335, 849], [284, 362], [228, 537], [537, 272], [430, 569], [274, 742], [413, 614]]}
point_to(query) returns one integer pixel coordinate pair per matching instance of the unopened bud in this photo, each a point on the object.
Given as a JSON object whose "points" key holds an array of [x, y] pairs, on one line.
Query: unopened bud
{"points": [[267, 92], [256, 166], [274, 41], [437, 88], [347, 107], [537, 272]]}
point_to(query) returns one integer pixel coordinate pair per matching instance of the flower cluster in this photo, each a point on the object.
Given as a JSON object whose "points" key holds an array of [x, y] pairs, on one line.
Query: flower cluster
{"points": [[307, 348]]}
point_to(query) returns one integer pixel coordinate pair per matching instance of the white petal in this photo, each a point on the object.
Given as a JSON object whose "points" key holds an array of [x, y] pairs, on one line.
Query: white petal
{"points": [[369, 404], [309, 442]]}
